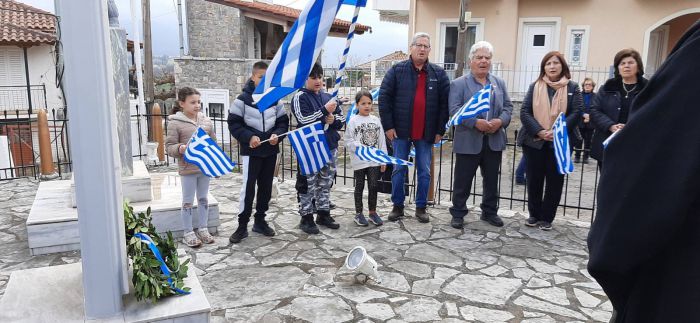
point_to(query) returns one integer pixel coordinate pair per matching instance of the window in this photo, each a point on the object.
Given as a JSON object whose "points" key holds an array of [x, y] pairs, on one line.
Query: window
{"points": [[577, 46], [538, 40], [447, 46]]}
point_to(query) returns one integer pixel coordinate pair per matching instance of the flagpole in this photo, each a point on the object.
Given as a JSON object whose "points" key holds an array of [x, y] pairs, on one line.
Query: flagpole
{"points": [[288, 132], [341, 68]]}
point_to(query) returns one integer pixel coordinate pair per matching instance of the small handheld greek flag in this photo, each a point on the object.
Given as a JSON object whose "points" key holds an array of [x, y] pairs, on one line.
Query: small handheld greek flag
{"points": [[311, 147], [607, 141], [372, 154], [478, 104], [354, 109], [561, 146], [207, 155]]}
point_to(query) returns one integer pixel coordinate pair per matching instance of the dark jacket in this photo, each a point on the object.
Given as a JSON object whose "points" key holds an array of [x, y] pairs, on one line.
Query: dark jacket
{"points": [[586, 108], [644, 243], [605, 111], [309, 107], [246, 121], [396, 99], [530, 128]]}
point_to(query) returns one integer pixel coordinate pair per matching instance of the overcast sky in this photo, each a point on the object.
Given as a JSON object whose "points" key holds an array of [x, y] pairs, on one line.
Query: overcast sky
{"points": [[385, 38]]}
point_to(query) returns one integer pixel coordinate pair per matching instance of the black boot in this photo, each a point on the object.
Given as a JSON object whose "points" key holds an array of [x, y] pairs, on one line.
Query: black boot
{"points": [[307, 224], [261, 226], [396, 213], [457, 222], [240, 234], [325, 219], [422, 215]]}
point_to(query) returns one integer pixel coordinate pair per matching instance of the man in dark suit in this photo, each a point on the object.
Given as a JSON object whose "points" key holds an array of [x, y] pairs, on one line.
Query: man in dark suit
{"points": [[413, 110], [479, 142], [645, 241]]}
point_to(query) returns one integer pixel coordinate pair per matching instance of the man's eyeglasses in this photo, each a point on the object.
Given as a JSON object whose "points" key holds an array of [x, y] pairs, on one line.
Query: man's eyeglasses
{"points": [[421, 46]]}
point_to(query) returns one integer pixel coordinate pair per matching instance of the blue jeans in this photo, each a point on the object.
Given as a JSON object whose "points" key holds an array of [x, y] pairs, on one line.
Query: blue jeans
{"points": [[424, 152]]}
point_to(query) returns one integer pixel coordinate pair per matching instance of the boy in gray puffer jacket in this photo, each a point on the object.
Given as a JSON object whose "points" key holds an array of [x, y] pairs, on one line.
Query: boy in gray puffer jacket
{"points": [[250, 126]]}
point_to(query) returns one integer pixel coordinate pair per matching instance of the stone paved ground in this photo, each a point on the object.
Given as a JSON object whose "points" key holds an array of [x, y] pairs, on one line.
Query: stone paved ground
{"points": [[429, 272]]}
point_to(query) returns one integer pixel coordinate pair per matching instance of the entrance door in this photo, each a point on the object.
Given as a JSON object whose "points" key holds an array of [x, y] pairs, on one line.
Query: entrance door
{"points": [[658, 46], [538, 40]]}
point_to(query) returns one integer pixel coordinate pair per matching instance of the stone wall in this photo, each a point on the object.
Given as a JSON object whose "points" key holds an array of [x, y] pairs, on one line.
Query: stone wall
{"points": [[215, 30], [213, 73]]}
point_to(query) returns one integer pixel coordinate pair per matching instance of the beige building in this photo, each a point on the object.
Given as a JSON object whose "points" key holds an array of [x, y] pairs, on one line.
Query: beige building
{"points": [[588, 32]]}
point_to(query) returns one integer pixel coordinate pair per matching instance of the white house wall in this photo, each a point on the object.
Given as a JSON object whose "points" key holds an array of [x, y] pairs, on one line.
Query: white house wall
{"points": [[42, 70]]}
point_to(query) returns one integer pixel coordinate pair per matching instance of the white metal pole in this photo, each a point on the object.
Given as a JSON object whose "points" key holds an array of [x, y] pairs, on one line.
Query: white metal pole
{"points": [[179, 29], [89, 87], [136, 33]]}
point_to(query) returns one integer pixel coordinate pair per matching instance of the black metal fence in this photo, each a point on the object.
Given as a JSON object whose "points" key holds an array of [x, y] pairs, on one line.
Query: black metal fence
{"points": [[19, 144]]}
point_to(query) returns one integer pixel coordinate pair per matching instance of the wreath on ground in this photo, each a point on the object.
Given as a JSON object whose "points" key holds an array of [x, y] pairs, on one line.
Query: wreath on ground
{"points": [[157, 271]]}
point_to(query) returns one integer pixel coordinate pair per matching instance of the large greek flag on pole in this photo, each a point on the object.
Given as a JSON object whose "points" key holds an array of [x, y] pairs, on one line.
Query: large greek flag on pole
{"points": [[311, 148], [561, 146], [293, 61], [207, 155], [372, 154], [479, 103], [354, 109]]}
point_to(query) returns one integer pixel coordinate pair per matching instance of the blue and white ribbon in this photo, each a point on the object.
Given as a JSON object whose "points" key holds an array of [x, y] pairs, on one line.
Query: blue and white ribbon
{"points": [[163, 267]]}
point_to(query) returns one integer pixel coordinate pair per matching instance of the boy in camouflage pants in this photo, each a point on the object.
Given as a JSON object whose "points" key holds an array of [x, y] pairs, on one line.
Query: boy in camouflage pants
{"points": [[309, 105]]}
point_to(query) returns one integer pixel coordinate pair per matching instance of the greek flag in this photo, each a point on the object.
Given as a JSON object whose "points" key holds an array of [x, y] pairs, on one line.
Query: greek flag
{"points": [[561, 146], [207, 155], [607, 141], [293, 61], [478, 104], [311, 148], [354, 110], [372, 154]]}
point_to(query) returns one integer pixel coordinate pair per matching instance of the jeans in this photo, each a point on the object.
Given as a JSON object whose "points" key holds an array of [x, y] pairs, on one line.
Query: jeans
{"points": [[191, 184], [424, 153]]}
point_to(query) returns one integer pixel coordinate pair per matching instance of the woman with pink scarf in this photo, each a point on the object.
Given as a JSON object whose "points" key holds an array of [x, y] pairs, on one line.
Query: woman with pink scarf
{"points": [[552, 93]]}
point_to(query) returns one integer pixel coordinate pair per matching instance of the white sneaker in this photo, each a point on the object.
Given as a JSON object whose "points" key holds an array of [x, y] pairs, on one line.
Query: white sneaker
{"points": [[205, 236], [191, 240]]}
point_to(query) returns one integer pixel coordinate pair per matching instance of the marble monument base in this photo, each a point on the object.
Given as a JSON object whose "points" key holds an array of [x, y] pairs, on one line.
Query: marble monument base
{"points": [[55, 294], [52, 225], [135, 188]]}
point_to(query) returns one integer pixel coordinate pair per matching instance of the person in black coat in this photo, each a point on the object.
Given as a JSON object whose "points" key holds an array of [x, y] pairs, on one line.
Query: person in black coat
{"points": [[644, 243], [610, 109], [553, 93], [413, 107], [585, 127]]}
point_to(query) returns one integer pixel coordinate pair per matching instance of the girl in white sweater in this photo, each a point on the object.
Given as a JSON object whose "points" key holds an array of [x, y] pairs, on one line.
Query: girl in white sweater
{"points": [[365, 129]]}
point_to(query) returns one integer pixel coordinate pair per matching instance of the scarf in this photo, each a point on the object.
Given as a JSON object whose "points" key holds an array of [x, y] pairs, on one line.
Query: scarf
{"points": [[546, 112]]}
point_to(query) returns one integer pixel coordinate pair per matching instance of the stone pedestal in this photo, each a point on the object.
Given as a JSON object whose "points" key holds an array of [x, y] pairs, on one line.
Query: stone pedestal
{"points": [[52, 225], [59, 290]]}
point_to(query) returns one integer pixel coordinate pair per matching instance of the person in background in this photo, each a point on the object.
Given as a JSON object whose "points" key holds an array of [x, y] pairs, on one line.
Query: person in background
{"points": [[610, 109], [553, 93], [181, 125], [585, 126]]}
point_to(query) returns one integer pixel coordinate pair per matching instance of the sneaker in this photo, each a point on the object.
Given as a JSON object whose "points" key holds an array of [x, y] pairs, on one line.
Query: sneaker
{"points": [[204, 235], [307, 224], [422, 215], [325, 219], [457, 222], [191, 240], [532, 222], [360, 220], [375, 219], [493, 220], [262, 227], [545, 226], [396, 213], [240, 234]]}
